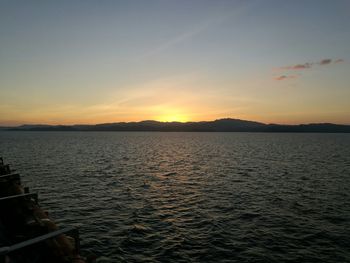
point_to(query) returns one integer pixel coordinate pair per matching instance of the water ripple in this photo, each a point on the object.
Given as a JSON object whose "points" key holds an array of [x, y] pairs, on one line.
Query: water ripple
{"points": [[193, 197]]}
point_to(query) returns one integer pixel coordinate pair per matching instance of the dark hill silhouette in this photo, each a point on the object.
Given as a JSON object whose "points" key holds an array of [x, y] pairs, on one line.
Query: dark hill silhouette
{"points": [[221, 125]]}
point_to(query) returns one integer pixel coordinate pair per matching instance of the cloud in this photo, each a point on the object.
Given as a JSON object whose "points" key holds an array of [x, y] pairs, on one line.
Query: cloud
{"points": [[339, 60], [298, 66], [197, 29], [285, 77], [303, 66], [308, 65], [325, 61]]}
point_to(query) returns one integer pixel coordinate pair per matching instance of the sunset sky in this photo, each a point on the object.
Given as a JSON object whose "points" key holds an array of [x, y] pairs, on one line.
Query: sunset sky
{"points": [[65, 62]]}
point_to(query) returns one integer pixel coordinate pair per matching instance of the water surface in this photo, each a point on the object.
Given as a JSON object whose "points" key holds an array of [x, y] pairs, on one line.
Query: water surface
{"points": [[193, 197]]}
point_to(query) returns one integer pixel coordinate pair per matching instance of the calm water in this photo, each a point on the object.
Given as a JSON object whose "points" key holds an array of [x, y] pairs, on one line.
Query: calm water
{"points": [[193, 197]]}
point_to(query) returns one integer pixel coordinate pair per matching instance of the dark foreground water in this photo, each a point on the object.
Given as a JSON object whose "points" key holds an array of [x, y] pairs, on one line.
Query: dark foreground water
{"points": [[193, 197]]}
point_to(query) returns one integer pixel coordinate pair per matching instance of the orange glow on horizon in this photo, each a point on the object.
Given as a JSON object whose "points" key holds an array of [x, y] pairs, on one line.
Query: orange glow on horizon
{"points": [[172, 118], [162, 113], [172, 115]]}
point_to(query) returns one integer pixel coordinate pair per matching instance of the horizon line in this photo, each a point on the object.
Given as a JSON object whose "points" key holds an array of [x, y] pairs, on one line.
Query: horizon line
{"points": [[182, 122]]}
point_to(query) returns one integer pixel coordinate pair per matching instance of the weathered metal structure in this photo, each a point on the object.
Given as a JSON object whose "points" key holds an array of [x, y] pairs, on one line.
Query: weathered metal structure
{"points": [[27, 234]]}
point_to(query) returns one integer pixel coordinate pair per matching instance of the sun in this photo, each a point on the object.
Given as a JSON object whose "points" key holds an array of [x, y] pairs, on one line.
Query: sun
{"points": [[172, 118]]}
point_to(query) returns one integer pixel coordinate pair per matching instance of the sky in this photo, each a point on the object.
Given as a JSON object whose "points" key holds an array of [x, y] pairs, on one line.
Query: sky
{"points": [[86, 62]]}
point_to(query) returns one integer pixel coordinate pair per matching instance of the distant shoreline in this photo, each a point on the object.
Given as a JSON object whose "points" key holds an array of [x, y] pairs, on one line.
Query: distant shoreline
{"points": [[221, 125], [262, 132]]}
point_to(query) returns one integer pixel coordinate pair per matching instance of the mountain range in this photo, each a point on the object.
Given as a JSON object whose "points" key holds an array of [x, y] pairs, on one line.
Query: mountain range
{"points": [[220, 125]]}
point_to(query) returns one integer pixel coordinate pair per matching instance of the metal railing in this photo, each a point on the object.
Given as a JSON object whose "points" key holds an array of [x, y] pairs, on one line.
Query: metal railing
{"points": [[25, 196], [70, 231], [11, 176], [8, 175]]}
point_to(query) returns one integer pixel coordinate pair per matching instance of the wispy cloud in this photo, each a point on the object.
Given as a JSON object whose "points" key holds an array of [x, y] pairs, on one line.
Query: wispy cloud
{"points": [[304, 66], [199, 28], [285, 77], [325, 61], [298, 66], [308, 65], [339, 60], [177, 39]]}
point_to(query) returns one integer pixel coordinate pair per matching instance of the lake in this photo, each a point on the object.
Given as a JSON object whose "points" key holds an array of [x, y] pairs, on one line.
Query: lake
{"points": [[193, 197]]}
